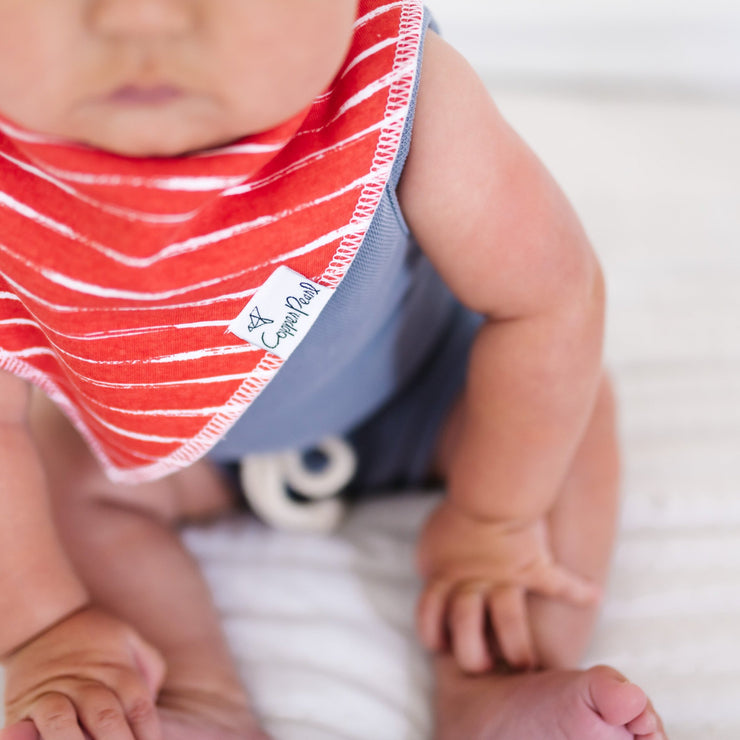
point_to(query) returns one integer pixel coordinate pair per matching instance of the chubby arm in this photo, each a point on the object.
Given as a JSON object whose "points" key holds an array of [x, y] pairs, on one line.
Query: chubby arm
{"points": [[505, 239], [38, 586], [66, 662]]}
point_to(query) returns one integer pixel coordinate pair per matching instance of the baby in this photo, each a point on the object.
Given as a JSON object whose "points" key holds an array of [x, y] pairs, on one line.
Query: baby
{"points": [[218, 237]]}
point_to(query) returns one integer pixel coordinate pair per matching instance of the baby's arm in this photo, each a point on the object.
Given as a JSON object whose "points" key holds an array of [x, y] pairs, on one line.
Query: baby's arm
{"points": [[64, 660], [38, 586], [506, 241]]}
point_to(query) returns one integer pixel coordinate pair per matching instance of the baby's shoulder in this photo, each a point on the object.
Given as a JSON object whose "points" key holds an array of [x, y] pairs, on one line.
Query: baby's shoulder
{"points": [[479, 202], [459, 136]]}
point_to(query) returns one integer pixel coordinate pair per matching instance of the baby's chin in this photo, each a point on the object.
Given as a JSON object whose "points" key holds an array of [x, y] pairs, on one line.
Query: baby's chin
{"points": [[159, 134], [159, 144]]}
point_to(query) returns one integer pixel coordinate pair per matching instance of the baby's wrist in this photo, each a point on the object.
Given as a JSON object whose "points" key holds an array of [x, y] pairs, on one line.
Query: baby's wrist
{"points": [[488, 516], [26, 622]]}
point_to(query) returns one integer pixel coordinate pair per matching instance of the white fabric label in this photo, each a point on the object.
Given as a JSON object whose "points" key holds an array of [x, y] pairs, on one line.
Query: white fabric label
{"points": [[281, 312]]}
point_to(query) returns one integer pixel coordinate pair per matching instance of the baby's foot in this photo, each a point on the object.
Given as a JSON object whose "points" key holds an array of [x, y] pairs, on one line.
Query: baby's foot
{"points": [[598, 704]]}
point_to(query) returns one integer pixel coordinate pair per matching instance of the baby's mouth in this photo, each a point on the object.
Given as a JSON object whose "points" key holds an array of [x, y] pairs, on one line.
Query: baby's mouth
{"points": [[149, 95]]}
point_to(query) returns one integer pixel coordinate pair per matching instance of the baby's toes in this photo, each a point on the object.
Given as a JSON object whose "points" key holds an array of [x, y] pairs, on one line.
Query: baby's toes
{"points": [[618, 701], [648, 725]]}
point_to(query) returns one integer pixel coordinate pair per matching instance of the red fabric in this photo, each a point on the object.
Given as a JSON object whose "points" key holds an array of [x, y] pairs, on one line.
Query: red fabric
{"points": [[119, 276]]}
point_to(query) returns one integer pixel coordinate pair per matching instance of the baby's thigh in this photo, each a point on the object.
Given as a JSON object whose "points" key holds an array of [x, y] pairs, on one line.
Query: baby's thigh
{"points": [[74, 476]]}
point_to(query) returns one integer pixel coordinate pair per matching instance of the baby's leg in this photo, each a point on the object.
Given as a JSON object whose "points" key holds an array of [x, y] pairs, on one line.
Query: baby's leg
{"points": [[125, 546], [558, 703]]}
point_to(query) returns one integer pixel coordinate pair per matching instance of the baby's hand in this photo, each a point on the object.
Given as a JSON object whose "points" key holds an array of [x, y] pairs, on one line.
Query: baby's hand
{"points": [[478, 575], [90, 671]]}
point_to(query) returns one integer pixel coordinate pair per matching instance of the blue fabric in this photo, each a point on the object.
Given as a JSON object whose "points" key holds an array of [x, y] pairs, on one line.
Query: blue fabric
{"points": [[390, 320]]}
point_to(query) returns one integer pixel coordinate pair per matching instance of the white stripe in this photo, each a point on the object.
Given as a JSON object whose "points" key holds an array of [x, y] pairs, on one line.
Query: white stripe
{"points": [[33, 215], [22, 135], [209, 380], [177, 248], [119, 211], [352, 228], [212, 380], [212, 432], [18, 322], [167, 413], [56, 351], [239, 349], [138, 331], [101, 291], [60, 308], [214, 237], [137, 435], [66, 231], [365, 19], [241, 149], [90, 289], [389, 79], [178, 413], [33, 352], [369, 52], [220, 351], [177, 183], [372, 89], [319, 154], [86, 288]]}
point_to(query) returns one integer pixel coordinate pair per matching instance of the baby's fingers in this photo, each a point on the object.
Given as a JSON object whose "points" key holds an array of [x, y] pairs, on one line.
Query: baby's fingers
{"points": [[55, 717], [140, 709], [468, 627], [103, 717], [559, 583], [507, 607], [431, 615]]}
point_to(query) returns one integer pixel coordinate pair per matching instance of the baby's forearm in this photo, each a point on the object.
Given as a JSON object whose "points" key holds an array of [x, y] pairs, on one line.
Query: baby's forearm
{"points": [[532, 383], [38, 586]]}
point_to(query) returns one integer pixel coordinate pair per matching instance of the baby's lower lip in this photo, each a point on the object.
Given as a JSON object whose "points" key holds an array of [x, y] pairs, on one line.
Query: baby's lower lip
{"points": [[135, 95]]}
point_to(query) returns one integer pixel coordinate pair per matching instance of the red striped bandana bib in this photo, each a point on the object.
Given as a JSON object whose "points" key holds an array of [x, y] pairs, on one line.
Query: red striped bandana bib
{"points": [[119, 277]]}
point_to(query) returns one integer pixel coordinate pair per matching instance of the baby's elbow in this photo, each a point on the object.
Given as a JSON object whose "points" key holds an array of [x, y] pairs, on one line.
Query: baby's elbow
{"points": [[579, 284]]}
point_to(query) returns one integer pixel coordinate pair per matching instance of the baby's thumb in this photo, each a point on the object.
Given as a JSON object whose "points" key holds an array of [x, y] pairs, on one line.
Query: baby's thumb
{"points": [[150, 663]]}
